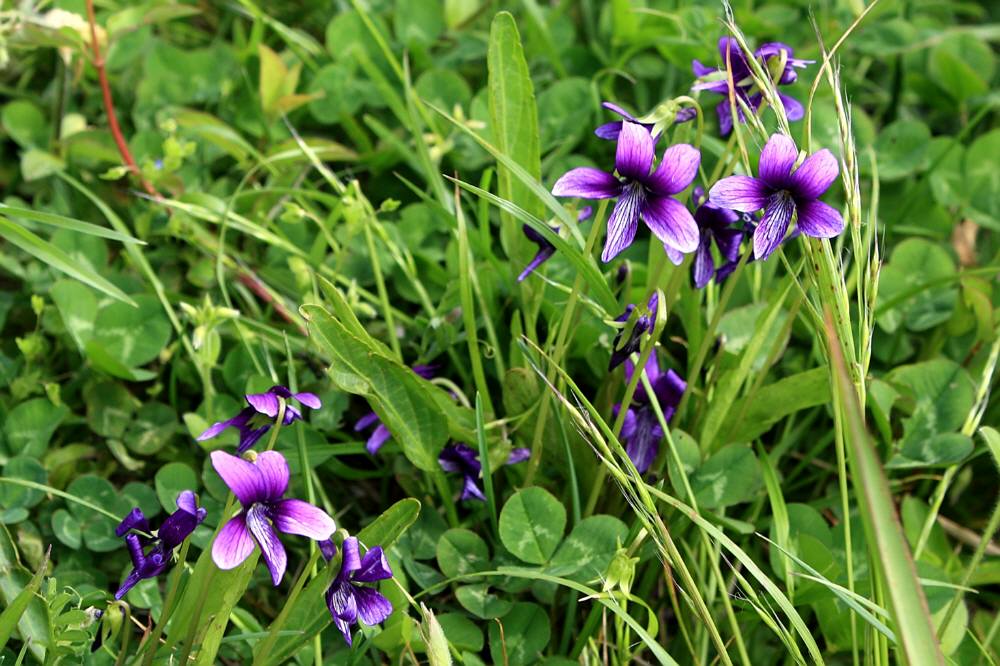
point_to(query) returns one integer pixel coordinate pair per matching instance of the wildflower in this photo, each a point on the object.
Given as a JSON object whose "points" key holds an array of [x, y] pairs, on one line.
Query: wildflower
{"points": [[380, 435], [348, 600], [644, 324], [642, 192], [611, 130], [782, 193], [177, 527], [714, 224], [464, 460], [260, 487], [641, 431], [743, 86], [545, 248], [256, 419]]}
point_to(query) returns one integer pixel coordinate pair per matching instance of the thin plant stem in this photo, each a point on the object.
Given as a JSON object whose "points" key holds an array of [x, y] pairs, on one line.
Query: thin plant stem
{"points": [[279, 622]]}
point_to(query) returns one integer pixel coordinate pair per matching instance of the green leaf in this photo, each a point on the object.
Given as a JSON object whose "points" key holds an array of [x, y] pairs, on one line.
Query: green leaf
{"points": [[133, 335], [31, 424], [461, 551], [531, 524], [461, 632], [902, 149], [37, 164], [589, 548], [478, 600], [57, 259], [15, 612], [914, 287], [983, 179], [403, 401], [77, 306], [29, 469], [25, 123], [962, 65], [309, 615], [171, 480], [69, 223], [751, 417], [729, 477], [525, 634], [514, 127], [418, 22], [98, 529]]}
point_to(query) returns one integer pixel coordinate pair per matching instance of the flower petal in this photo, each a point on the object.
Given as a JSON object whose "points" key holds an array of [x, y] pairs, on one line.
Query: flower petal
{"points": [[250, 436], [793, 107], [374, 566], [819, 220], [242, 477], [644, 443], [328, 548], [310, 400], [609, 131], [704, 266], [676, 171], [724, 113], [518, 455], [233, 545], [186, 501], [459, 458], [669, 388], [675, 257], [373, 608], [379, 436], [543, 255], [365, 421], [130, 581], [351, 560], [343, 609], [294, 516], [273, 470], [743, 193], [622, 224], [815, 175], [135, 520], [728, 241], [270, 546], [470, 489], [776, 160], [773, 226], [264, 403], [634, 154], [672, 223], [587, 183], [237, 421]]}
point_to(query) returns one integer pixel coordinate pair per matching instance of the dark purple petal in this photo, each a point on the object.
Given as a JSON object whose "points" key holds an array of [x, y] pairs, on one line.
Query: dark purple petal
{"points": [[135, 520], [814, 176], [773, 226], [291, 414], [130, 581], [365, 421], [517, 455], [233, 545], [294, 516], [703, 267], [793, 107], [736, 59], [273, 470], [724, 113], [543, 255], [374, 567], [701, 70], [776, 161], [237, 421], [351, 560], [614, 108], [743, 193], [426, 371], [378, 437], [609, 131], [819, 220], [343, 608], [241, 476], [728, 241], [675, 257], [471, 490], [186, 501], [672, 223], [628, 423], [373, 608], [644, 442], [684, 115], [134, 546], [250, 436], [587, 183], [267, 540], [459, 458], [181, 523], [676, 171], [328, 549], [264, 403], [584, 213], [669, 389], [623, 223], [634, 154]]}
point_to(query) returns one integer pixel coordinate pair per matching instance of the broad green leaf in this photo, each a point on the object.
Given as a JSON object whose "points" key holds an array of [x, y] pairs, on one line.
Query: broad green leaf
{"points": [[915, 288], [133, 335], [30, 425], [983, 179], [461, 551], [732, 475], [531, 524], [461, 631], [171, 480], [526, 632], [514, 128], [57, 259], [25, 123], [478, 600], [310, 616], [403, 401], [77, 306], [16, 612], [902, 149], [29, 469], [962, 65], [752, 416], [586, 553]]}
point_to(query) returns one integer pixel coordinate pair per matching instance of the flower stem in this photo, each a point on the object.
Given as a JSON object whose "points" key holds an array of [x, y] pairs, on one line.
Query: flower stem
{"points": [[279, 622]]}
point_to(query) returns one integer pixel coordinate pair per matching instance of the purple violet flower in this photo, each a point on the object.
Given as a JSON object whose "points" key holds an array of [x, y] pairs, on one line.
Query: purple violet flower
{"points": [[610, 131], [380, 435], [642, 193], [782, 193], [644, 324], [545, 248], [260, 487], [463, 459], [743, 82], [256, 419], [348, 600], [641, 431], [715, 224], [177, 527]]}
